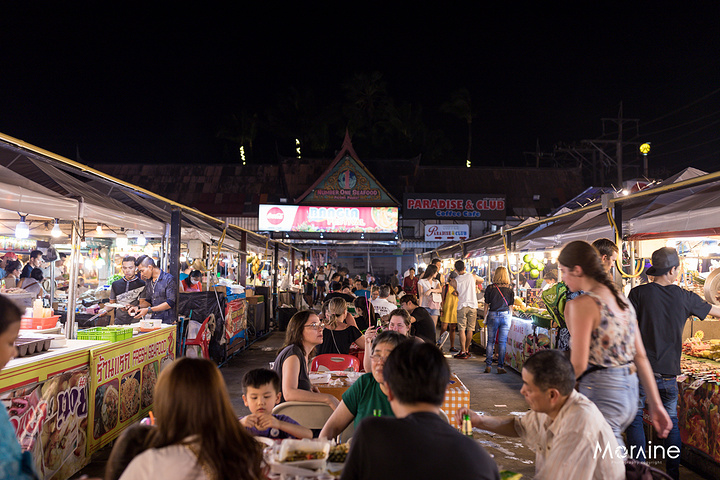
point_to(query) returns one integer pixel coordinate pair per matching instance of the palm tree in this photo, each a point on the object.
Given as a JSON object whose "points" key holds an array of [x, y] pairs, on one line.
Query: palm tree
{"points": [[460, 106]]}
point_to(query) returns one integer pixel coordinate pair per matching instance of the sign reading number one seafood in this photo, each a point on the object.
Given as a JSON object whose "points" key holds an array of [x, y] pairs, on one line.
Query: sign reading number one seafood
{"points": [[303, 218]]}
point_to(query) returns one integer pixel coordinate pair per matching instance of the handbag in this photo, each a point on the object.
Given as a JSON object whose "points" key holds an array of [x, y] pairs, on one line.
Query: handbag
{"points": [[437, 298]]}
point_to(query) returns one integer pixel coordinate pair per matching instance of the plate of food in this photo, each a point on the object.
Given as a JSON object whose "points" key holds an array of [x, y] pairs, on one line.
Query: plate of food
{"points": [[304, 453], [319, 377]]}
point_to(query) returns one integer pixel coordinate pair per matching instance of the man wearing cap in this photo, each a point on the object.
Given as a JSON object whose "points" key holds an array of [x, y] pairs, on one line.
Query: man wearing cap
{"points": [[662, 310]]}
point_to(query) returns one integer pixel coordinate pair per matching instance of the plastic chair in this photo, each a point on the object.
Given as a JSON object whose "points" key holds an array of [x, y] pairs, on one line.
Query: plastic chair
{"points": [[335, 362], [311, 415], [202, 339]]}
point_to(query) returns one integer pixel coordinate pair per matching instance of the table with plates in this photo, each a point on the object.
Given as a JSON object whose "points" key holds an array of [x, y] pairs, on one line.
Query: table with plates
{"points": [[334, 383]]}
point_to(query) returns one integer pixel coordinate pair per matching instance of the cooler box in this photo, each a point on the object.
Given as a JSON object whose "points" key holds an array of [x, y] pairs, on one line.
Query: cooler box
{"points": [[456, 396]]}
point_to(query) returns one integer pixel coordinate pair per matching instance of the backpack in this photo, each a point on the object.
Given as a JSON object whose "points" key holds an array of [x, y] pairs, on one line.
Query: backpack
{"points": [[555, 298]]}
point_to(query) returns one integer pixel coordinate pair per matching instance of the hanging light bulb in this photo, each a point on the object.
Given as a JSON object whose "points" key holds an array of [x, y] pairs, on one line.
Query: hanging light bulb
{"points": [[99, 229], [56, 232], [21, 229], [141, 240], [121, 241]]}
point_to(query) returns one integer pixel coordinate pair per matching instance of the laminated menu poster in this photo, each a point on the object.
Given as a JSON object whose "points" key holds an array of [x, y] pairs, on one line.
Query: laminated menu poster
{"points": [[50, 420], [123, 376], [235, 317]]}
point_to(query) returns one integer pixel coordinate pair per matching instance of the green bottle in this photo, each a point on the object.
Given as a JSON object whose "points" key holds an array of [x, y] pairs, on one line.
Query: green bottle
{"points": [[467, 426]]}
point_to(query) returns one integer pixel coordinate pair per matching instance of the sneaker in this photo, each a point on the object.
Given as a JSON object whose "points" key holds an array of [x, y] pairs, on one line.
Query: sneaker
{"points": [[453, 350], [488, 369], [443, 337], [459, 355], [499, 370]]}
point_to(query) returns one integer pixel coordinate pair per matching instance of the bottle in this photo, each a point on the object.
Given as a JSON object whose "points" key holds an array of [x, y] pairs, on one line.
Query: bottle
{"points": [[377, 412], [467, 426]]}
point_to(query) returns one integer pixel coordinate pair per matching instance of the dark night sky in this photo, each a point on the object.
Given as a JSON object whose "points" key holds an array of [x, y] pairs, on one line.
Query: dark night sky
{"points": [[127, 83]]}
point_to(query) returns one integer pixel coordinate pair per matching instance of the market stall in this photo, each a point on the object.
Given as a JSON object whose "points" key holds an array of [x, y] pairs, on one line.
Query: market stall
{"points": [[69, 401]]}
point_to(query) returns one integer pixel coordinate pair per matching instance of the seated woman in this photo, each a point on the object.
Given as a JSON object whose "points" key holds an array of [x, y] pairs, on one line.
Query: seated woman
{"points": [[304, 333], [338, 336], [197, 434], [192, 282], [12, 269], [365, 318], [368, 393], [33, 283], [349, 319], [399, 321]]}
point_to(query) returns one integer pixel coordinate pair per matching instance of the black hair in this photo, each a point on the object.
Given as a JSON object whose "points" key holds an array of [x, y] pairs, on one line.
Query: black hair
{"points": [[435, 260], [409, 297], [13, 265], [195, 274], [37, 274], [35, 253], [429, 272], [551, 369], [389, 336], [336, 286], [129, 258], [9, 313], [417, 372], [131, 443], [258, 377], [588, 258], [459, 265], [364, 283], [145, 260]]}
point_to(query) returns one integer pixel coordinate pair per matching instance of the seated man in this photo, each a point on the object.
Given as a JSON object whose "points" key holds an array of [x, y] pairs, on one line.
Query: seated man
{"points": [[569, 435], [417, 444]]}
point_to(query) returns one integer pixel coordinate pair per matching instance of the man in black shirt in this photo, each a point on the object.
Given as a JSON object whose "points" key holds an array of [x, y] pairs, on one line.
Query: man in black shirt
{"points": [[336, 292], [126, 291], [662, 310], [422, 324], [34, 262], [416, 376]]}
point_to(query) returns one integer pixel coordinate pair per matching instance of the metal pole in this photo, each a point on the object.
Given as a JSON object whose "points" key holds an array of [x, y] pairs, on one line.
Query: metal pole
{"points": [[242, 262], [70, 332], [174, 252], [276, 265]]}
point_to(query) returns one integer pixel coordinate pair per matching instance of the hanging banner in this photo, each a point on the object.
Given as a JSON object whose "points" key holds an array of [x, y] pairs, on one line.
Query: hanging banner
{"points": [[302, 218], [446, 232], [123, 376], [235, 317], [454, 207]]}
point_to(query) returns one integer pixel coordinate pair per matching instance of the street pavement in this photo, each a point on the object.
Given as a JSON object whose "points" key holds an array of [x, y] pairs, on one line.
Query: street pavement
{"points": [[491, 394]]}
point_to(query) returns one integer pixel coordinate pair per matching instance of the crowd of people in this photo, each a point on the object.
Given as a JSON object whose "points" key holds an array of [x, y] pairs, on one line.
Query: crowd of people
{"points": [[622, 354]]}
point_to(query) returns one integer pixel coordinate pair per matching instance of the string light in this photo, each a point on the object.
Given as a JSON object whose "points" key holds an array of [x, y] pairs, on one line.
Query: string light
{"points": [[141, 240], [56, 232]]}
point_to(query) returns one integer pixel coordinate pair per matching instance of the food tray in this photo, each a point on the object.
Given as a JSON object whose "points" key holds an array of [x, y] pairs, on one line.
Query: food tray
{"points": [[29, 346], [27, 323], [305, 445], [111, 334]]}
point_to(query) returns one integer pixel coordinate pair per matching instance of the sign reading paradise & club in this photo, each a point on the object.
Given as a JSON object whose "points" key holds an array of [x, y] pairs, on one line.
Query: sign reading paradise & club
{"points": [[454, 207]]}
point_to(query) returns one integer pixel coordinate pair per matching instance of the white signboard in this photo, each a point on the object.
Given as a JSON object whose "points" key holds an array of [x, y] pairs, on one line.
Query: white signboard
{"points": [[446, 232]]}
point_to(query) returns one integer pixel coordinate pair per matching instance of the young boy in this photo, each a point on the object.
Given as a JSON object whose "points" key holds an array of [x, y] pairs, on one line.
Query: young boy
{"points": [[261, 389]]}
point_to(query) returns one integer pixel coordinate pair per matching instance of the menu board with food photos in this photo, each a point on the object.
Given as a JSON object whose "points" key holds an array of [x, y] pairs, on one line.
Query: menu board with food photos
{"points": [[123, 376], [50, 417]]}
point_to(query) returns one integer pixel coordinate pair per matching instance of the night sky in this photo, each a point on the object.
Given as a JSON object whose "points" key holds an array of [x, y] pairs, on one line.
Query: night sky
{"points": [[130, 83]]}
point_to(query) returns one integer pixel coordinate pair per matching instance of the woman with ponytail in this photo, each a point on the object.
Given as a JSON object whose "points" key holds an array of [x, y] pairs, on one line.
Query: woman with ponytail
{"points": [[338, 335], [607, 350]]}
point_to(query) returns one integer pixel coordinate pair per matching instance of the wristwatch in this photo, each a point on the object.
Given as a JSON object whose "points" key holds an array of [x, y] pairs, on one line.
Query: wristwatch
{"points": [[149, 310]]}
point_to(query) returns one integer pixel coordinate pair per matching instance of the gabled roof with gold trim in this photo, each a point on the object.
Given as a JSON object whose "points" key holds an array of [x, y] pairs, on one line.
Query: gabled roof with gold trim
{"points": [[347, 181]]}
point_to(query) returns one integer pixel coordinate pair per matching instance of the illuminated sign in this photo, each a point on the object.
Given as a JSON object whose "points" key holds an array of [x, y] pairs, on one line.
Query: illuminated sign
{"points": [[303, 218], [446, 232], [454, 207]]}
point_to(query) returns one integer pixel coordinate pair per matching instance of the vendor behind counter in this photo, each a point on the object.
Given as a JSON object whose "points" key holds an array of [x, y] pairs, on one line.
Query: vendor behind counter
{"points": [[192, 283]]}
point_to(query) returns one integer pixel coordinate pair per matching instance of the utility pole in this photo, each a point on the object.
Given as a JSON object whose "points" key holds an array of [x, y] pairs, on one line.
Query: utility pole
{"points": [[620, 121]]}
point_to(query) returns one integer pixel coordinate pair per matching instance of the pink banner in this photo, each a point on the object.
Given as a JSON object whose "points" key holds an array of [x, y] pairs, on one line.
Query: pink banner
{"points": [[302, 218]]}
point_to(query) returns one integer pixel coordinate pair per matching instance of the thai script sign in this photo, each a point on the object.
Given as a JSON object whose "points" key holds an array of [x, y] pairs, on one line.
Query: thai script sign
{"points": [[303, 218]]}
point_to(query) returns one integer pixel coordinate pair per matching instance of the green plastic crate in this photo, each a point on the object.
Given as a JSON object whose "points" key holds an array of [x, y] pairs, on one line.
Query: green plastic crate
{"points": [[111, 334]]}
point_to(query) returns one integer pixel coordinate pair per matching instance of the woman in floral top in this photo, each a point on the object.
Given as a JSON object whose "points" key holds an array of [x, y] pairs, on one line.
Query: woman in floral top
{"points": [[607, 350]]}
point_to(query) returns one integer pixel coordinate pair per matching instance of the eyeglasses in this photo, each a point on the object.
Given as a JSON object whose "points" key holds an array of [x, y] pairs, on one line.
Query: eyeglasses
{"points": [[316, 326], [378, 358]]}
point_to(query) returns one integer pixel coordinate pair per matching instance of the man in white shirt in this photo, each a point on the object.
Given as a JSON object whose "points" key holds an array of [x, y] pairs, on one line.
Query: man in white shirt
{"points": [[382, 306], [466, 291], [569, 435]]}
